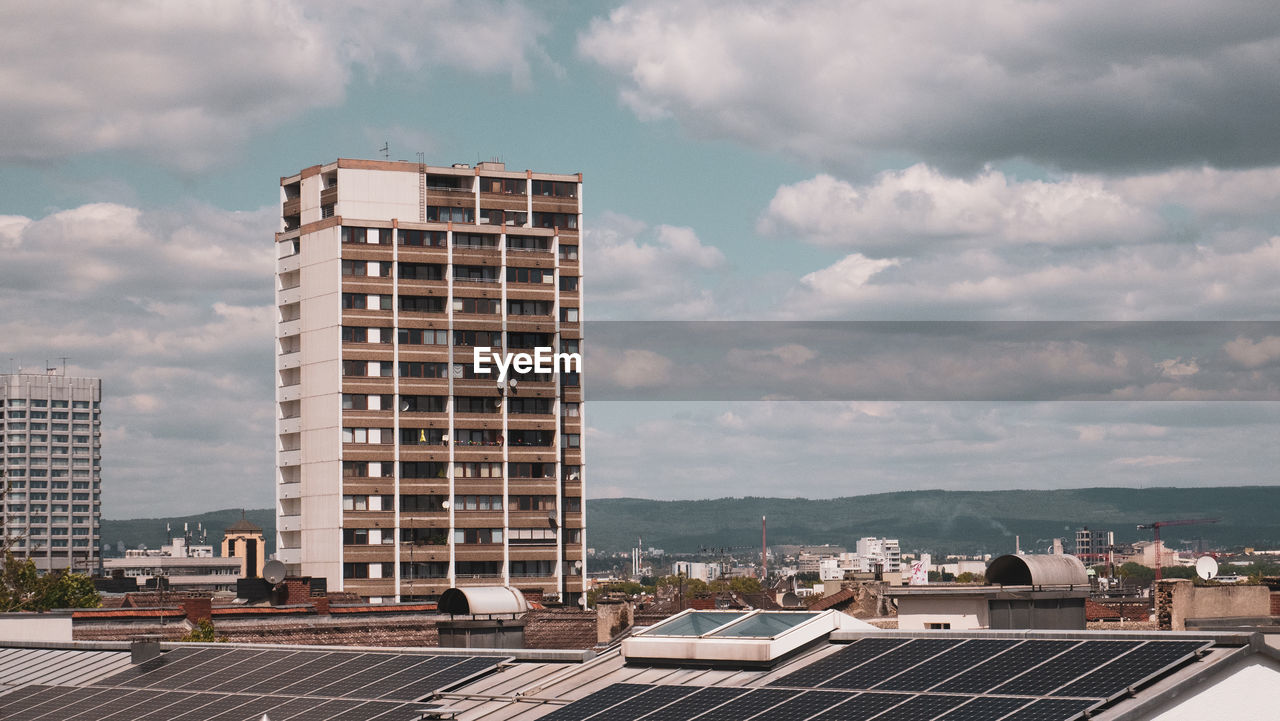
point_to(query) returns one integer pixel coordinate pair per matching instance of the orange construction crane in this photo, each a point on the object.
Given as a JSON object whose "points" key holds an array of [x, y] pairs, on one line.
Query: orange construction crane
{"points": [[1161, 524]]}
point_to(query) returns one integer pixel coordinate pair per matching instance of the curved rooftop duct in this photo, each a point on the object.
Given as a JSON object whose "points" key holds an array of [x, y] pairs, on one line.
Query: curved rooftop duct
{"points": [[482, 601], [1055, 570]]}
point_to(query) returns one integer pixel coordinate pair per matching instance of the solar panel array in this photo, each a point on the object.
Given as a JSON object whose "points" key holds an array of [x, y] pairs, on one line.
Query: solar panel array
{"points": [[213, 684], [911, 679]]}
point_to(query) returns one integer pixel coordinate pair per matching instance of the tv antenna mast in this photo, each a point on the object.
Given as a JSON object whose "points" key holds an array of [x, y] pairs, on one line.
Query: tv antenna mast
{"points": [[385, 150]]}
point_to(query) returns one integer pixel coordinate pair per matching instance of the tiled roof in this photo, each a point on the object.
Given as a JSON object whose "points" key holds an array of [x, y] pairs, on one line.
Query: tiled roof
{"points": [[843, 596]]}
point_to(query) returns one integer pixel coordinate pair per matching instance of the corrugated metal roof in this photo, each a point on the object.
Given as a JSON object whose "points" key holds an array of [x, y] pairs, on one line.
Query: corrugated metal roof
{"points": [[57, 667]]}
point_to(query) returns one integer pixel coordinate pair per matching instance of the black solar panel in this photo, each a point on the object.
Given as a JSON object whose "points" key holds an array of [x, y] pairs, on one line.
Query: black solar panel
{"points": [[860, 651], [293, 673], [230, 666], [922, 708], [1054, 709], [747, 704], [637, 706], [984, 708], [174, 705], [338, 668], [464, 667], [423, 667], [596, 702], [268, 667], [237, 708], [174, 675], [891, 663], [119, 704], [1004, 667], [288, 708], [326, 710], [76, 701], [861, 707], [1063, 669], [129, 676], [694, 704], [942, 667], [351, 685], [1132, 668], [803, 706], [19, 699]]}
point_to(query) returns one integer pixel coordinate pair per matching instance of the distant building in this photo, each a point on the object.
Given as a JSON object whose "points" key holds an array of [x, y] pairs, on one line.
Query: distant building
{"points": [[705, 572], [883, 552], [829, 569], [186, 567], [244, 540], [1091, 546], [50, 468]]}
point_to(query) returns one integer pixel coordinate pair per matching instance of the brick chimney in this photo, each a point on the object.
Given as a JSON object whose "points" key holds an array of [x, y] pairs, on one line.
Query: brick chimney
{"points": [[197, 609], [614, 615], [321, 604]]}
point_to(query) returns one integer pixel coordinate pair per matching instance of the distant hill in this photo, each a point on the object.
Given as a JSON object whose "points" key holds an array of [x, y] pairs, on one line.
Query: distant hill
{"points": [[150, 531], [937, 521], [951, 521]]}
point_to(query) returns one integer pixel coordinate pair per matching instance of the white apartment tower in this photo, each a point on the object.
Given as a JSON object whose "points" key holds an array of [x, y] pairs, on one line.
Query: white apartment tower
{"points": [[402, 472], [51, 463]]}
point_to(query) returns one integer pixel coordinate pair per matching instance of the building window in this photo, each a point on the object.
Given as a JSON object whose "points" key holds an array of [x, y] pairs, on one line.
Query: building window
{"points": [[477, 470], [423, 238], [422, 303], [376, 236], [555, 188], [477, 404], [568, 314], [479, 241], [536, 569], [424, 469], [424, 536], [569, 282], [529, 406], [424, 336], [937, 626], [423, 370], [422, 271], [443, 214], [528, 307], [532, 536], [568, 252], [483, 306], [530, 275], [555, 220], [477, 503], [531, 470], [422, 503], [422, 436], [470, 536], [422, 404], [529, 243], [570, 440], [355, 570]]}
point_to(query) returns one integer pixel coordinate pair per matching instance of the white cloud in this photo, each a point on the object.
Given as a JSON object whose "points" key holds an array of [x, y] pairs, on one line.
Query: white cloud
{"points": [[173, 309], [1078, 85], [903, 210], [1254, 354], [1147, 461], [184, 82], [633, 271]]}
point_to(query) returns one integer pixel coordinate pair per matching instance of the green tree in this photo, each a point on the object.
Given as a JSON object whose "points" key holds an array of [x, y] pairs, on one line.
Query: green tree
{"points": [[22, 588], [204, 632]]}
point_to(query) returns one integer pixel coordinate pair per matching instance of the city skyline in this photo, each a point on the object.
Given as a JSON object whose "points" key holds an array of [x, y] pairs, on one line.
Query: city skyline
{"points": [[995, 161]]}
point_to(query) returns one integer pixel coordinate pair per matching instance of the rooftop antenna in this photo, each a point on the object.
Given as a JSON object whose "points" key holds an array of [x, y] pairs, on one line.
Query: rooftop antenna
{"points": [[64, 363], [385, 150]]}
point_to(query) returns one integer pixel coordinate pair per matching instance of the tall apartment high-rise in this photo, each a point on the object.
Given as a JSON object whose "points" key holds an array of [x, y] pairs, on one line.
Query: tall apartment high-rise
{"points": [[400, 470], [52, 462]]}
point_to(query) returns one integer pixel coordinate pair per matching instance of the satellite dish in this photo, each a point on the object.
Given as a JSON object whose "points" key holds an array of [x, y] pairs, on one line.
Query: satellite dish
{"points": [[513, 383], [444, 505], [273, 571], [1206, 567], [458, 370], [404, 406], [497, 402], [500, 384]]}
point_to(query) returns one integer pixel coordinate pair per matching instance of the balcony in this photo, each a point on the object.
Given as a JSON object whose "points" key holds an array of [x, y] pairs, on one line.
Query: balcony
{"points": [[291, 556], [289, 425], [289, 523], [288, 360], [289, 263], [289, 490], [289, 295], [287, 328], [289, 393], [289, 458]]}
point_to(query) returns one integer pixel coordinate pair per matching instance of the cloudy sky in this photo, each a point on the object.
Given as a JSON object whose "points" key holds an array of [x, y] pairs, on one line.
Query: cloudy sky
{"points": [[992, 160]]}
